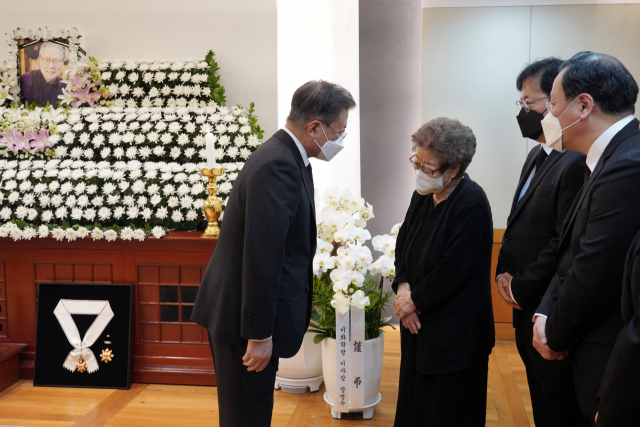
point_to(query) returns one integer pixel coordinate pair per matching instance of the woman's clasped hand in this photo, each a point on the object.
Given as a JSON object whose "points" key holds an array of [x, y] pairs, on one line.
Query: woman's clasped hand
{"points": [[406, 309]]}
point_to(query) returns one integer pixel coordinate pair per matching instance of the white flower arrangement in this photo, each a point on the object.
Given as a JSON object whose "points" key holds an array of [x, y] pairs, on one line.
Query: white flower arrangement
{"points": [[114, 174], [9, 80], [344, 268], [341, 253], [175, 84], [77, 195], [114, 168], [25, 133]]}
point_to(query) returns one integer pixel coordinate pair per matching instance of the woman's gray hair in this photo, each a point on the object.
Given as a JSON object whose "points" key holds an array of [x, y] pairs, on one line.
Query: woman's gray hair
{"points": [[319, 100], [453, 141]]}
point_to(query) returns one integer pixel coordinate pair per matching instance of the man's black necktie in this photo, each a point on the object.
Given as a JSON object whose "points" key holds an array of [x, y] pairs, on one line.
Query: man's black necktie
{"points": [[309, 169], [542, 156]]}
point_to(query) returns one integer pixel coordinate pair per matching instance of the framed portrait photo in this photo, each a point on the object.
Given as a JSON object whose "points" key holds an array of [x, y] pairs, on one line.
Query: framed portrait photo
{"points": [[83, 335], [41, 66]]}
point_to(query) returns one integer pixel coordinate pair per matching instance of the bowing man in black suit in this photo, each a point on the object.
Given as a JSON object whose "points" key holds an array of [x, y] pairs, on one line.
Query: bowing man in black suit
{"points": [[620, 390], [255, 296], [548, 186], [592, 105]]}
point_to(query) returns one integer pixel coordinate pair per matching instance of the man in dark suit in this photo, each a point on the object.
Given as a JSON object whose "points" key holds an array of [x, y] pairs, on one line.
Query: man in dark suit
{"points": [[255, 296], [620, 390], [592, 105], [548, 186]]}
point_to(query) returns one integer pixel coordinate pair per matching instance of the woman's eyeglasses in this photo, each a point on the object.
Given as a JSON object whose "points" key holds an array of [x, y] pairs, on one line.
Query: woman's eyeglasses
{"points": [[425, 169]]}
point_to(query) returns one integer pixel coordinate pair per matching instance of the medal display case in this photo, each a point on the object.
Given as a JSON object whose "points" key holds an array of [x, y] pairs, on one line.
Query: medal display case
{"points": [[83, 335]]}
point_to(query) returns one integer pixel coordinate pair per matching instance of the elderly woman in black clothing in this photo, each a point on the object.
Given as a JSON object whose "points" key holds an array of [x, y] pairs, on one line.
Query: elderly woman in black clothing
{"points": [[443, 267]]}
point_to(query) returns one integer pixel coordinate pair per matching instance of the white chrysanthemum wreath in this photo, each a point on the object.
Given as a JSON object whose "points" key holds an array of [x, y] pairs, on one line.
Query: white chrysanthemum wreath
{"points": [[106, 163]]}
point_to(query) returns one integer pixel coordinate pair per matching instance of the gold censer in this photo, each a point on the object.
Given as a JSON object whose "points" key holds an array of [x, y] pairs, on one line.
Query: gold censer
{"points": [[212, 206]]}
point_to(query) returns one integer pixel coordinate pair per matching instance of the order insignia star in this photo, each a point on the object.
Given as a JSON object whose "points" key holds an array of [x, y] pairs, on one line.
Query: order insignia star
{"points": [[106, 356]]}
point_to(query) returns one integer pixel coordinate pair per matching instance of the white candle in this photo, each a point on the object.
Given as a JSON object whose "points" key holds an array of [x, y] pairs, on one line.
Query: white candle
{"points": [[211, 151]]}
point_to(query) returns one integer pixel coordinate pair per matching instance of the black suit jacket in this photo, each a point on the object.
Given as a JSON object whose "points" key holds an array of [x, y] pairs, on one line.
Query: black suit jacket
{"points": [[620, 391], [259, 280], [583, 300], [530, 242]]}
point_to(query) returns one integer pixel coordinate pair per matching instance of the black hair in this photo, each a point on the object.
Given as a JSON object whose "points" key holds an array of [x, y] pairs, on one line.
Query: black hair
{"points": [[319, 100], [543, 72], [611, 85]]}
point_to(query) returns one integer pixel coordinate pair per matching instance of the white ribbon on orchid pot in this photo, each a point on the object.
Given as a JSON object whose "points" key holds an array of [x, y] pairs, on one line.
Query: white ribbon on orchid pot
{"points": [[82, 347], [350, 336]]}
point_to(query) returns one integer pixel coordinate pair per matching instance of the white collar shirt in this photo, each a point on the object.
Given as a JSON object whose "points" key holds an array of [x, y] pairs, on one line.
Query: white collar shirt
{"points": [[600, 144], [546, 148], [303, 152]]}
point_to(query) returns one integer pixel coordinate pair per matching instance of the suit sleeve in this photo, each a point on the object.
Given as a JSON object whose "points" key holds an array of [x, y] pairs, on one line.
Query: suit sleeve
{"points": [[401, 274], [272, 197], [550, 297], [619, 396], [501, 266], [459, 262], [593, 284], [530, 283]]}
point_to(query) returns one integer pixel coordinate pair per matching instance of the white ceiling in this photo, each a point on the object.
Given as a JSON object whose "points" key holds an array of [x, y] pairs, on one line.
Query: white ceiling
{"points": [[485, 3]]}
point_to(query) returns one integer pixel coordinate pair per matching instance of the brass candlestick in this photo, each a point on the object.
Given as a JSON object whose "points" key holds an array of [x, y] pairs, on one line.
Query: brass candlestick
{"points": [[212, 206]]}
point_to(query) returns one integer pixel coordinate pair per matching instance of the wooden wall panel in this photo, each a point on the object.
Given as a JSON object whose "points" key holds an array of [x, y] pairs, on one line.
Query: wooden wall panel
{"points": [[4, 325], [502, 313], [174, 351]]}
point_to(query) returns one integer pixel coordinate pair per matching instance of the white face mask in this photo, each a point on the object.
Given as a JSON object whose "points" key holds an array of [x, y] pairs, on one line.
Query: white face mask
{"points": [[553, 130], [426, 184], [330, 148]]}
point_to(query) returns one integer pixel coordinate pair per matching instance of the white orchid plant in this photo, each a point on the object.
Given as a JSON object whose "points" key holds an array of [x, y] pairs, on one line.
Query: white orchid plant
{"points": [[346, 274]]}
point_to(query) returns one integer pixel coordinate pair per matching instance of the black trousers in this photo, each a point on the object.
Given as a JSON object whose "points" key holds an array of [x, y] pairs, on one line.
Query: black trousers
{"points": [[244, 398], [551, 384], [454, 399]]}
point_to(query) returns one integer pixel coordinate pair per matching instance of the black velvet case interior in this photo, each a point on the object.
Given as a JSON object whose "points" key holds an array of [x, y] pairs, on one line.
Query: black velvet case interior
{"points": [[52, 345]]}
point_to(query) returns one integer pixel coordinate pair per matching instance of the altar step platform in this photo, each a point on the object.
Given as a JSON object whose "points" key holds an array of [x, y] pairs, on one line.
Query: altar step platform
{"points": [[10, 364]]}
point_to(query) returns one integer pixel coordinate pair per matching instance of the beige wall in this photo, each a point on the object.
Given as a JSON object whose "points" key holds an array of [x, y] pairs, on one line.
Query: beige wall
{"points": [[241, 32], [472, 56]]}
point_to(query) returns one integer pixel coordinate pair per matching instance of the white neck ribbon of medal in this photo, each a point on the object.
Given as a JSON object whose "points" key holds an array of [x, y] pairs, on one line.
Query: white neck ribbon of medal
{"points": [[81, 348]]}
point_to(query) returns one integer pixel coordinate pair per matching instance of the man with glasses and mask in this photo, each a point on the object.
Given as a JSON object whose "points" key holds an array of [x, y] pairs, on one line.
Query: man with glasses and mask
{"points": [[44, 84], [255, 296], [591, 111], [547, 187]]}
